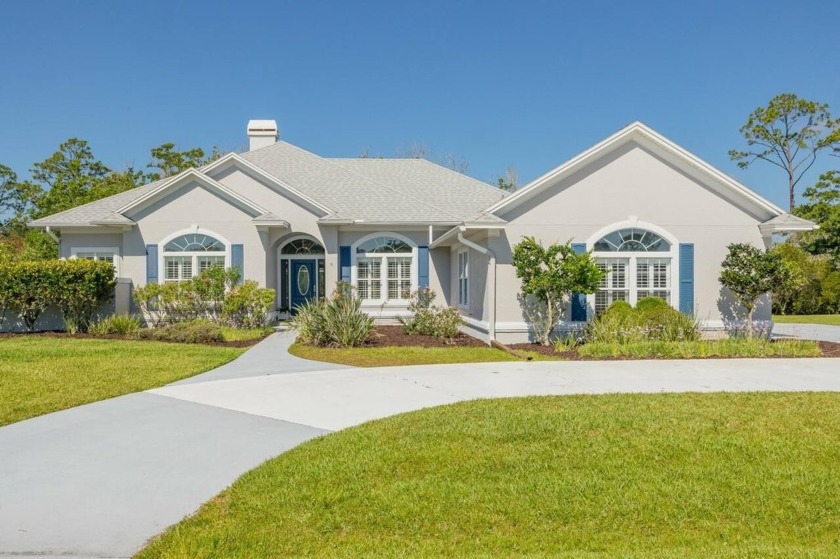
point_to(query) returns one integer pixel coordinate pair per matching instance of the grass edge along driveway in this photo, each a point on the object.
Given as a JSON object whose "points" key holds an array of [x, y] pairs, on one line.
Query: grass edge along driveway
{"points": [[826, 319], [643, 476], [40, 375]]}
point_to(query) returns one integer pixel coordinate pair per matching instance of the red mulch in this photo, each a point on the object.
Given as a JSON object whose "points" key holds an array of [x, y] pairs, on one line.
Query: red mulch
{"points": [[395, 336], [60, 334], [829, 349]]}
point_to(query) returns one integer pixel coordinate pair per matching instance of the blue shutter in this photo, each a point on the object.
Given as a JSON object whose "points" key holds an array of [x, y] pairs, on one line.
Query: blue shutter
{"points": [[422, 267], [344, 264], [687, 278], [151, 264], [237, 260], [579, 299]]}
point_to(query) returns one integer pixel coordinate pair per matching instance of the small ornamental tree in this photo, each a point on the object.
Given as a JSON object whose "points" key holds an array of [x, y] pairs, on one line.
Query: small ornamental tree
{"points": [[749, 272], [549, 274]]}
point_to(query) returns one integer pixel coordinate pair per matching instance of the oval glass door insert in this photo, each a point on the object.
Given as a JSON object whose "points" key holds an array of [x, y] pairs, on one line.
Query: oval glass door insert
{"points": [[303, 280]]}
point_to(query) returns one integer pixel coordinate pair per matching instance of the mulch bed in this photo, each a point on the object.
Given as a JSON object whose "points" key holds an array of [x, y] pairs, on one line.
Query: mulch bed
{"points": [[829, 349], [60, 334], [395, 336]]}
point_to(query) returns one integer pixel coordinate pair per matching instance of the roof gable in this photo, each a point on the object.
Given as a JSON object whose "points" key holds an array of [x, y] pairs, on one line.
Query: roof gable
{"points": [[183, 179], [729, 188], [260, 175]]}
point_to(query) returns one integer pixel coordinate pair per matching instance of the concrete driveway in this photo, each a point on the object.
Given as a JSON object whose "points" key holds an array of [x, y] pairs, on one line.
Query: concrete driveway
{"points": [[101, 479], [822, 332]]}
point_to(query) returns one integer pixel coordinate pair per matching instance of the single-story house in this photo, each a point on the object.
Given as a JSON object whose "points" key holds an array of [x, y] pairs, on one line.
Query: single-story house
{"points": [[657, 218]]}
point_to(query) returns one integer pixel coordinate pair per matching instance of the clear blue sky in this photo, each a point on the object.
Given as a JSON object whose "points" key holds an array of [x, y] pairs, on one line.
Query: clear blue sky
{"points": [[522, 84]]}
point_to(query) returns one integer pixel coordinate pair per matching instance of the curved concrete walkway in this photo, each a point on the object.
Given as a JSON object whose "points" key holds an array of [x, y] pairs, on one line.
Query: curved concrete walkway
{"points": [[822, 332], [101, 479]]}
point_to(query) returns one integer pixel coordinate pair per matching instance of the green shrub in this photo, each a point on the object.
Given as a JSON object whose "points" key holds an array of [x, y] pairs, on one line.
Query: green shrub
{"points": [[82, 287], [121, 324], [338, 321], [622, 324], [76, 287], [246, 305], [199, 331], [146, 299], [650, 303], [428, 319], [202, 296]]}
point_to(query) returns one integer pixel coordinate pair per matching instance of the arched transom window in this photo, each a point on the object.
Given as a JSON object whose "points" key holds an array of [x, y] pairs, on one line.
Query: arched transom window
{"points": [[643, 268], [191, 254], [302, 246], [384, 269], [632, 240]]}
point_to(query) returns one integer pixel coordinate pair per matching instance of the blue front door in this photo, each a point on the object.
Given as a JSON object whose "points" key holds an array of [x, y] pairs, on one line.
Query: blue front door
{"points": [[302, 282]]}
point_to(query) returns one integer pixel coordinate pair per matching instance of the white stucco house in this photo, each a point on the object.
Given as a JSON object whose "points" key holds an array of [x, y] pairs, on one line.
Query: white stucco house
{"points": [[656, 217]]}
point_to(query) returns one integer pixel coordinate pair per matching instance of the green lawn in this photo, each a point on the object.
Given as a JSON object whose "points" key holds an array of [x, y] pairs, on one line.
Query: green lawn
{"points": [[39, 375], [641, 476], [392, 356], [830, 319]]}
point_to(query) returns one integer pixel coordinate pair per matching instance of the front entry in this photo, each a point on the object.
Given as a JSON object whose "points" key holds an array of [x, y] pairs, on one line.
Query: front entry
{"points": [[302, 280]]}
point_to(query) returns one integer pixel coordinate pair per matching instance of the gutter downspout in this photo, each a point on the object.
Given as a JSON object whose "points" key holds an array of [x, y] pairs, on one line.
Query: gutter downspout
{"points": [[52, 235], [491, 330]]}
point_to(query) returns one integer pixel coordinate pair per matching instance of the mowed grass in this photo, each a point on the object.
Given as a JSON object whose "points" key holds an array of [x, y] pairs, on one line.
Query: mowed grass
{"points": [[393, 356], [829, 319], [244, 334], [40, 375], [641, 476], [702, 349]]}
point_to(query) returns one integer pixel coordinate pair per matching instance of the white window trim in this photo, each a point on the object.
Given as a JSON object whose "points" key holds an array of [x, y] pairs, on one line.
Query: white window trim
{"points": [[194, 230], [74, 251], [673, 254], [466, 304], [354, 279]]}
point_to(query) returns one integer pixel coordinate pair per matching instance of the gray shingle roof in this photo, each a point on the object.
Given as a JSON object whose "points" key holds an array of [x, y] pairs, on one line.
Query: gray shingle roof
{"points": [[104, 210], [429, 182], [373, 190]]}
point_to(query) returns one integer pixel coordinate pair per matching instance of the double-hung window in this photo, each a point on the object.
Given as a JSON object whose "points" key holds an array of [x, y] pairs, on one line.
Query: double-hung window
{"points": [[464, 278], [384, 269], [189, 255]]}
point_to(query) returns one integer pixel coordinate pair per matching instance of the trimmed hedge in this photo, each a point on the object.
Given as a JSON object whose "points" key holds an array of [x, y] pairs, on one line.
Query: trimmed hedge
{"points": [[76, 287]]}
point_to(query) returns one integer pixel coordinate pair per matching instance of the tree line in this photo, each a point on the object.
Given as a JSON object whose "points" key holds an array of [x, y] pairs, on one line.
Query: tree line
{"points": [[68, 178]]}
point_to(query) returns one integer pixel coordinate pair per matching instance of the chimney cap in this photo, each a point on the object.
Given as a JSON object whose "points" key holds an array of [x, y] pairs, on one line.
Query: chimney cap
{"points": [[262, 128]]}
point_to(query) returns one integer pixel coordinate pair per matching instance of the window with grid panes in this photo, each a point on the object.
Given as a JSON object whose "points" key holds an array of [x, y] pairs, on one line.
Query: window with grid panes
{"points": [[384, 269]]}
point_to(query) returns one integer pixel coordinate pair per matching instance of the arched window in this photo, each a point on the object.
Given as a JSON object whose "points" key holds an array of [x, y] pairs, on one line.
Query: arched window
{"points": [[642, 267], [189, 255], [384, 269], [302, 246], [632, 240]]}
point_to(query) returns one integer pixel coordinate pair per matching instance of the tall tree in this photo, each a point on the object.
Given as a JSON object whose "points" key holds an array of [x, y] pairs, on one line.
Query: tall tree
{"points": [[789, 133], [167, 161], [67, 177], [15, 197], [822, 206]]}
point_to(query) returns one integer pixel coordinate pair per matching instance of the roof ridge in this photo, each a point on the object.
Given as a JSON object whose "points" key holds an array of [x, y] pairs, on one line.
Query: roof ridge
{"points": [[371, 181]]}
